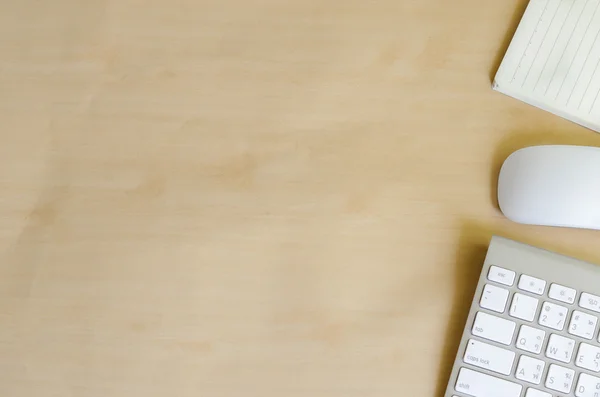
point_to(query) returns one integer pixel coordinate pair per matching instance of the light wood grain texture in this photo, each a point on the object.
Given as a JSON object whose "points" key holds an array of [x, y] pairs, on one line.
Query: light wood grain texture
{"points": [[251, 198]]}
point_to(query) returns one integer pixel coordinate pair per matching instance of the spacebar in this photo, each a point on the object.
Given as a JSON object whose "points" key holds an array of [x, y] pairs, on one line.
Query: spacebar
{"points": [[477, 384]]}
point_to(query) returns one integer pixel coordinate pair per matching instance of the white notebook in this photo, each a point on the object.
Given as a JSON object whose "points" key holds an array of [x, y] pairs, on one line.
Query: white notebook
{"points": [[553, 61]]}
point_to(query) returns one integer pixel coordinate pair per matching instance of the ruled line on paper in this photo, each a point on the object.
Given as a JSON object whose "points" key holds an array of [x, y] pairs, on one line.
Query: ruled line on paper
{"points": [[576, 52], [594, 103], [587, 87], [555, 41], [567, 46], [541, 44], [587, 57], [529, 43]]}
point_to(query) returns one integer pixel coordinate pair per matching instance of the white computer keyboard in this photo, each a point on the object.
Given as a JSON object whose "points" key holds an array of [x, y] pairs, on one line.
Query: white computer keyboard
{"points": [[533, 327]]}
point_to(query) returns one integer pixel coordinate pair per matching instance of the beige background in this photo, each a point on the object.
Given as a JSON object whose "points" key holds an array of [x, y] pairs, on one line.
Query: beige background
{"points": [[251, 198]]}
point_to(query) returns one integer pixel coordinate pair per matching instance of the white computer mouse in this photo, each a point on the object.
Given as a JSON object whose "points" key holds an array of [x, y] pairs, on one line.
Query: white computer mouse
{"points": [[552, 186]]}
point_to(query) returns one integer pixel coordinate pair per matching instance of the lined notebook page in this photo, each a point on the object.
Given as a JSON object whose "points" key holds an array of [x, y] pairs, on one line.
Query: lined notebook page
{"points": [[553, 61]]}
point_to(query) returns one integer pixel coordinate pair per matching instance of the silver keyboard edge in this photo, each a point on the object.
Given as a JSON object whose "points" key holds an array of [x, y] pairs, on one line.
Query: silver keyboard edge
{"points": [[536, 262]]}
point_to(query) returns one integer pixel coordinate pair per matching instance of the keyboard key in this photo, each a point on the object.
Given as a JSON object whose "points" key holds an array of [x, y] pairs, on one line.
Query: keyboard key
{"points": [[530, 370], [523, 307], [476, 384], [536, 393], [494, 298], [583, 325], [493, 328], [560, 348], [502, 276], [560, 378], [589, 301], [562, 293], [553, 316], [489, 357], [587, 386], [588, 357], [532, 284], [530, 339]]}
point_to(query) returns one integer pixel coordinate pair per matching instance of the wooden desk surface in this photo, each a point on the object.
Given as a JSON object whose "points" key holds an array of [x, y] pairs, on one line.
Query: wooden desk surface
{"points": [[251, 198]]}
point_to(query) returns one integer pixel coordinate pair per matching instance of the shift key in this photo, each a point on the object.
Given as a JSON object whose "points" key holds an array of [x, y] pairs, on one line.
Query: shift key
{"points": [[493, 328], [476, 384]]}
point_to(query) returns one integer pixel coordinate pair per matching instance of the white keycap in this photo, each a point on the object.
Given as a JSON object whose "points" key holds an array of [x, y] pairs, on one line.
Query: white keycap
{"points": [[589, 301], [536, 393], [501, 275], [560, 378], [583, 324], [489, 357], [494, 298], [560, 348], [530, 339], [562, 293], [493, 328], [532, 284], [523, 307], [476, 384], [588, 357], [587, 386], [553, 316], [530, 370]]}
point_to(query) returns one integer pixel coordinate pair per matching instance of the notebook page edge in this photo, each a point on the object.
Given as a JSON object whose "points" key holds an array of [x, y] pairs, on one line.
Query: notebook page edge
{"points": [[548, 108]]}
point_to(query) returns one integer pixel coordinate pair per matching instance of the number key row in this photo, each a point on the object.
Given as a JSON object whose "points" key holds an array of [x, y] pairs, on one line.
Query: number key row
{"points": [[552, 315]]}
